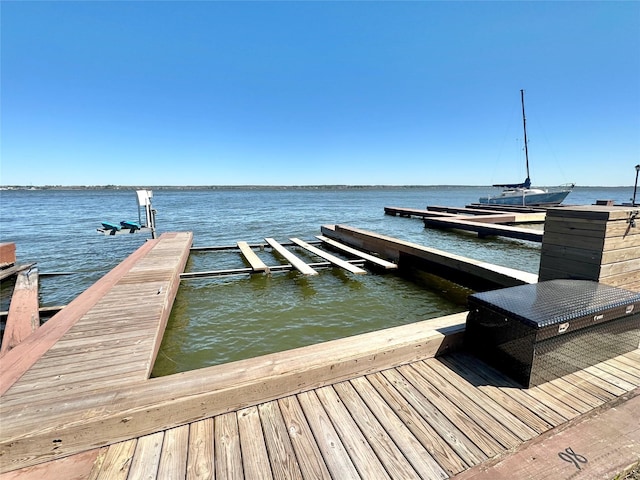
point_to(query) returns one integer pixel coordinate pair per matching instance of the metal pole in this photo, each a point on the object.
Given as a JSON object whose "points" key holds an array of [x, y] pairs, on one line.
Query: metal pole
{"points": [[524, 127], [635, 187]]}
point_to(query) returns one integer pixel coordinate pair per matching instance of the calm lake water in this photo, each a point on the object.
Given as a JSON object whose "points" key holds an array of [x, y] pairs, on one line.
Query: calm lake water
{"points": [[225, 319]]}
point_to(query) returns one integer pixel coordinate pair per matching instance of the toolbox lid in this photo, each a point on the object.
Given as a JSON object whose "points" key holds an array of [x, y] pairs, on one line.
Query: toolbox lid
{"points": [[555, 301]]}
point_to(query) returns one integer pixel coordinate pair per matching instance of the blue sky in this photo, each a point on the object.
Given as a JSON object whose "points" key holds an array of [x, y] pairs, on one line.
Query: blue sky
{"points": [[308, 93]]}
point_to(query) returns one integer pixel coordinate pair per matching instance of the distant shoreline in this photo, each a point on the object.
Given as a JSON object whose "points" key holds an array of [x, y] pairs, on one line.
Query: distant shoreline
{"points": [[253, 187]]}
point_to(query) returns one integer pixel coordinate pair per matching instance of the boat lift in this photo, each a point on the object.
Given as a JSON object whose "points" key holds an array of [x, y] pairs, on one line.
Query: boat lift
{"points": [[125, 226]]}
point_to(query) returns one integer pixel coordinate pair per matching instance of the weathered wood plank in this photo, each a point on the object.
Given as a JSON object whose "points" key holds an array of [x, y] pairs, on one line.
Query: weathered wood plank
{"points": [[620, 229], [255, 460], [620, 254], [621, 280], [468, 451], [473, 409], [624, 267], [256, 263], [395, 445], [495, 378], [228, 456], [555, 268], [77, 364], [470, 375], [590, 212], [449, 379], [333, 451], [146, 458], [601, 371], [630, 379], [497, 218], [24, 315], [173, 457], [589, 385], [291, 258], [307, 452], [200, 465], [376, 435], [330, 258], [415, 212], [595, 378], [483, 229], [282, 457], [40, 395], [579, 390], [352, 251], [10, 271], [115, 462], [555, 390], [566, 411], [75, 467], [464, 270], [362, 455], [575, 226], [615, 243], [464, 210], [438, 446], [630, 359], [486, 442]]}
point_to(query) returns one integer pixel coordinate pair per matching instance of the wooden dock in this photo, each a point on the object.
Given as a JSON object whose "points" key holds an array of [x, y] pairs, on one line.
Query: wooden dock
{"points": [[465, 271], [23, 317], [471, 213], [486, 230], [485, 222], [401, 403]]}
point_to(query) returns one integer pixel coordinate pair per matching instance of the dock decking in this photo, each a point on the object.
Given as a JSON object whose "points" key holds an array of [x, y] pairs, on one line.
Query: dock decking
{"points": [[484, 230], [463, 270], [481, 221], [401, 403]]}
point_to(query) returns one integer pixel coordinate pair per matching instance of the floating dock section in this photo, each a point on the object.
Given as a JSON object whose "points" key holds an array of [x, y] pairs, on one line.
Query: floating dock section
{"points": [[484, 222], [466, 271]]}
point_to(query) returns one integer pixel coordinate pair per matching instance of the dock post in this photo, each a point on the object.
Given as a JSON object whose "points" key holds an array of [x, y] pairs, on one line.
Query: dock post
{"points": [[592, 242], [7, 254]]}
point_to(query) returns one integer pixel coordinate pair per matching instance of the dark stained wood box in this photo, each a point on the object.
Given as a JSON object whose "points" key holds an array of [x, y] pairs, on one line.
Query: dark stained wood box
{"points": [[535, 333]]}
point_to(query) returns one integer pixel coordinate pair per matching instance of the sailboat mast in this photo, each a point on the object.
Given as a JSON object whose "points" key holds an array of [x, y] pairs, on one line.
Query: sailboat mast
{"points": [[524, 126]]}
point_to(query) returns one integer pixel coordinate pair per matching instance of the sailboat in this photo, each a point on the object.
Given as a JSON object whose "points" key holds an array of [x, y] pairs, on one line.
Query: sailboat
{"points": [[522, 194]]}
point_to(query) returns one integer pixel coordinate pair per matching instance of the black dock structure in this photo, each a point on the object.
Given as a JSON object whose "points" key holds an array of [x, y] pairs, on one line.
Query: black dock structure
{"points": [[417, 401]]}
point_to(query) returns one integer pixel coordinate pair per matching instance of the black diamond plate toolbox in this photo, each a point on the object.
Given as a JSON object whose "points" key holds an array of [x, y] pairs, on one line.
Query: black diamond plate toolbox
{"points": [[535, 333]]}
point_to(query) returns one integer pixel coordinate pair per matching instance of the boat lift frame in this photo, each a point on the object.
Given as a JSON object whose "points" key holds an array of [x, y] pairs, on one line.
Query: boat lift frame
{"points": [[144, 204]]}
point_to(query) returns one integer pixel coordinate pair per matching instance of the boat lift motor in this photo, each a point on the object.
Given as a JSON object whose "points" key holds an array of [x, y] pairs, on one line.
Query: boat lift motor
{"points": [[144, 200]]}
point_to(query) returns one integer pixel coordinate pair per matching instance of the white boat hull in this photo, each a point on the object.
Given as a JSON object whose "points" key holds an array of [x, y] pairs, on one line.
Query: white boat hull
{"points": [[527, 198]]}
